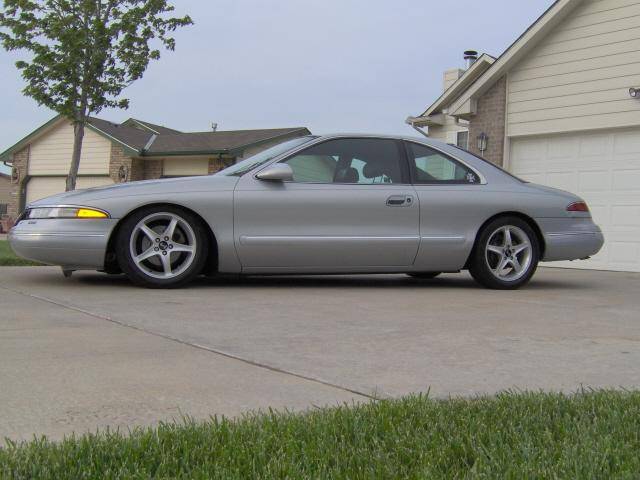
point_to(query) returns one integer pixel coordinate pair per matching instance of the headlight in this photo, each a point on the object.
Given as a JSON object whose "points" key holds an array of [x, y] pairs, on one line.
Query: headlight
{"points": [[64, 212]]}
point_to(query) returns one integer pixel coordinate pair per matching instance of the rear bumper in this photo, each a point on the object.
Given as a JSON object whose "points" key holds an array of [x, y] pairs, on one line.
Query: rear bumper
{"points": [[572, 245], [71, 243]]}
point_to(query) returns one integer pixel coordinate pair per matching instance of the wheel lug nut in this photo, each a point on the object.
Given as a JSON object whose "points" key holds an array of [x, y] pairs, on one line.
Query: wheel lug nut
{"points": [[164, 252], [157, 240], [166, 239], [156, 249], [170, 246]]}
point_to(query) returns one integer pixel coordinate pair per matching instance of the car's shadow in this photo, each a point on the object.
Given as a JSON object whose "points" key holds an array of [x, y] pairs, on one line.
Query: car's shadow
{"points": [[461, 281]]}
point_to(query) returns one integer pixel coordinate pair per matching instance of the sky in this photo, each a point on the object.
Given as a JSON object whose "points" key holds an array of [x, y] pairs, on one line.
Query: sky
{"points": [[328, 65]]}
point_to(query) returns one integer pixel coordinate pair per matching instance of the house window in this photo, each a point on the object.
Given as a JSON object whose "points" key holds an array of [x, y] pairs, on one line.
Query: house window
{"points": [[462, 140]]}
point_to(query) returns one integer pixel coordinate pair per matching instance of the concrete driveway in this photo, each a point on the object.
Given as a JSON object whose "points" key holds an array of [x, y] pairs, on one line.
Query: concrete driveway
{"points": [[93, 351]]}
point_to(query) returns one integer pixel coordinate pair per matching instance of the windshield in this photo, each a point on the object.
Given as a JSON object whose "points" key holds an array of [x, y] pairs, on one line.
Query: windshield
{"points": [[258, 159]]}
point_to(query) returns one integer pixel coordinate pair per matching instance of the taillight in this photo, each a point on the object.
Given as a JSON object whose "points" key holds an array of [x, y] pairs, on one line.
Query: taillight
{"points": [[578, 207]]}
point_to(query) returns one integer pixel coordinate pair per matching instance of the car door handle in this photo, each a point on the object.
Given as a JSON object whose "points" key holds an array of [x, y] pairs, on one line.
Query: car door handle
{"points": [[400, 201]]}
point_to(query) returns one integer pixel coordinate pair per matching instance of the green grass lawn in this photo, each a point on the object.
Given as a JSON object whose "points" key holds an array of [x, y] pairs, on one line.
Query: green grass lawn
{"points": [[9, 259], [512, 435]]}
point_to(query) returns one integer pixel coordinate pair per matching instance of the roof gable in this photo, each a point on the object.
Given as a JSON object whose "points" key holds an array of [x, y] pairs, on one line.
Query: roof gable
{"points": [[464, 104], [471, 75]]}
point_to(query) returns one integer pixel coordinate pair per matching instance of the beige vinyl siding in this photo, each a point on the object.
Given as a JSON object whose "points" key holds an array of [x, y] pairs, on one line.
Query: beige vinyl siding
{"points": [[51, 153], [447, 132], [579, 76], [185, 166]]}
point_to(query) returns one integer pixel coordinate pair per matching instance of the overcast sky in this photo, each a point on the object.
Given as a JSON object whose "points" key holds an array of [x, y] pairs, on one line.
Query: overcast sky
{"points": [[329, 65]]}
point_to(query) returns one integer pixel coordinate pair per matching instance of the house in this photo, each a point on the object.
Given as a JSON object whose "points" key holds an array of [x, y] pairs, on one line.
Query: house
{"points": [[560, 107], [132, 150]]}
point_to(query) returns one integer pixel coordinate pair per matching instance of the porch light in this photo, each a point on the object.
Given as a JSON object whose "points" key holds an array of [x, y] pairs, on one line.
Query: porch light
{"points": [[634, 92], [483, 141]]}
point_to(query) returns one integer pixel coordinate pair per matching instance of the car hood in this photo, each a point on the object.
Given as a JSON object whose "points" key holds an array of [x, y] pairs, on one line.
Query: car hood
{"points": [[165, 186]]}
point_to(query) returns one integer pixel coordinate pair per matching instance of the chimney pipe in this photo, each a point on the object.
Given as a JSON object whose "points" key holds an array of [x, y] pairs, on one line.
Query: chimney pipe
{"points": [[470, 57]]}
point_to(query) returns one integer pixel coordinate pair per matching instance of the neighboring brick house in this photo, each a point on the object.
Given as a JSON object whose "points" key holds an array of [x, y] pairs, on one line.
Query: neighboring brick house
{"points": [[561, 107], [133, 150]]}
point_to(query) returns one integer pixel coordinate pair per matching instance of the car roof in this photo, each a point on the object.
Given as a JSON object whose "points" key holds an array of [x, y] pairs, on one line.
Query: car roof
{"points": [[411, 138]]}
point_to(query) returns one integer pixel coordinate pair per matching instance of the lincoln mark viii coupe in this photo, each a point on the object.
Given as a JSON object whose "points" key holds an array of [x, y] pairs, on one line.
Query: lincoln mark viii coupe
{"points": [[330, 204]]}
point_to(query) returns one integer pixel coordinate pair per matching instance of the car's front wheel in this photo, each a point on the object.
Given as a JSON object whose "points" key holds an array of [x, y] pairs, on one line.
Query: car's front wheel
{"points": [[162, 247], [506, 255]]}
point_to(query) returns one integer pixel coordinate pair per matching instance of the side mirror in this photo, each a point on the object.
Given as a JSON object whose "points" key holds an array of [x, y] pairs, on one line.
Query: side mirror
{"points": [[279, 172]]}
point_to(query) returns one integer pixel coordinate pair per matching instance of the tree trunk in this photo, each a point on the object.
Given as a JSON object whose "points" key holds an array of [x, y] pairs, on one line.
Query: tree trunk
{"points": [[78, 130]]}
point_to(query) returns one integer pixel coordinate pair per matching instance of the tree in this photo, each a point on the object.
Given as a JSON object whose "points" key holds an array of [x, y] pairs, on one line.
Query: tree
{"points": [[84, 53]]}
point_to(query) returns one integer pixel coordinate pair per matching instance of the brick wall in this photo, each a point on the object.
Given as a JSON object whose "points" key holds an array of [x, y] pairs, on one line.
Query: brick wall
{"points": [[18, 190], [118, 159], [152, 169], [490, 118]]}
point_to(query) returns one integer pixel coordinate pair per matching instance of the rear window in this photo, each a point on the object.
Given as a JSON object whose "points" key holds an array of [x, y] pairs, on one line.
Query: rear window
{"points": [[487, 161]]}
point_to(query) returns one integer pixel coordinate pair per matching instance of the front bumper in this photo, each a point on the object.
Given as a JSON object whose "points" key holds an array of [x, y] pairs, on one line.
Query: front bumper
{"points": [[75, 244]]}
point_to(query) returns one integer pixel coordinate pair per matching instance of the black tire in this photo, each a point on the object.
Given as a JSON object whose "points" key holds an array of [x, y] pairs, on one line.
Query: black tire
{"points": [[484, 265], [424, 275], [183, 266]]}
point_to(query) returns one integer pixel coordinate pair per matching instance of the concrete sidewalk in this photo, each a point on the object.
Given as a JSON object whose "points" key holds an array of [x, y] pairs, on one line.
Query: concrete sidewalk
{"points": [[93, 351]]}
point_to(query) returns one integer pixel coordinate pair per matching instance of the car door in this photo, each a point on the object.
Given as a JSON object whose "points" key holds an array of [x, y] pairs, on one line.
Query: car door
{"points": [[349, 207], [450, 198]]}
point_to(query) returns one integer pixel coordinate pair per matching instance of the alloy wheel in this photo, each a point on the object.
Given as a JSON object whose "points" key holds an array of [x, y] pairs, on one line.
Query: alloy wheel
{"points": [[509, 253], [163, 245]]}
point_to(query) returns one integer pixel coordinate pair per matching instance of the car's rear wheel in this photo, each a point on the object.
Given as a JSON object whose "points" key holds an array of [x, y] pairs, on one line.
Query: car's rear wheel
{"points": [[424, 275], [506, 254], [162, 247]]}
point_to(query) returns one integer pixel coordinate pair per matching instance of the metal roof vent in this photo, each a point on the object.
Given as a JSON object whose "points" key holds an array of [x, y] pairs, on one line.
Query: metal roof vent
{"points": [[470, 57]]}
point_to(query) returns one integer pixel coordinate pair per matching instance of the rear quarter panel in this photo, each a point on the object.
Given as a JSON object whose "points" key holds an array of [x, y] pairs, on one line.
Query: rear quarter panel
{"points": [[451, 217]]}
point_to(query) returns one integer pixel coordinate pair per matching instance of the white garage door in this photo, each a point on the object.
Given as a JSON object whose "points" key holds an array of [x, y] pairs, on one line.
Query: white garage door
{"points": [[41, 187], [604, 169]]}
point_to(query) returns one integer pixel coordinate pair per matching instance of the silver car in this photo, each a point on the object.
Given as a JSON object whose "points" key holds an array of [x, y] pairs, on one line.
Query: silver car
{"points": [[317, 205]]}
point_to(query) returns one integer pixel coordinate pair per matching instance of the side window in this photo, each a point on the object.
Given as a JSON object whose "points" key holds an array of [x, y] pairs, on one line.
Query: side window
{"points": [[433, 167], [313, 168], [364, 161]]}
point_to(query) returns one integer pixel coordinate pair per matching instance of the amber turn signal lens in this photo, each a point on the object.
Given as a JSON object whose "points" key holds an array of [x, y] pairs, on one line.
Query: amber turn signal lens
{"points": [[90, 213]]}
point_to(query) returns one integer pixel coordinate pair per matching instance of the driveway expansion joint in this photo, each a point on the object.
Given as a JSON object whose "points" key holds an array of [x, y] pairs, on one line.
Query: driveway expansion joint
{"points": [[215, 351]]}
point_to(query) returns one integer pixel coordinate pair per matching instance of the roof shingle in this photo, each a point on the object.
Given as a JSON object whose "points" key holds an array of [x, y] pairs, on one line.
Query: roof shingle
{"points": [[216, 142]]}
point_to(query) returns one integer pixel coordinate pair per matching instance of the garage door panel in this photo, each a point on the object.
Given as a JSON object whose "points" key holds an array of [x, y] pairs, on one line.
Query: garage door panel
{"points": [[603, 168], [593, 181], [626, 180], [562, 180], [42, 187], [627, 142], [179, 167], [622, 252]]}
